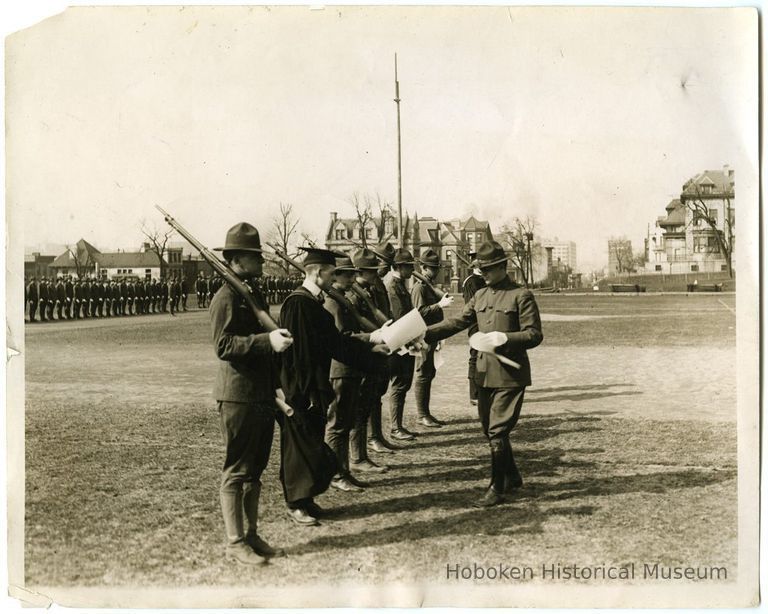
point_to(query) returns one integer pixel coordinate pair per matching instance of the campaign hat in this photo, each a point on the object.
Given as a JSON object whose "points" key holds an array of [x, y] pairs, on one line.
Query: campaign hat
{"points": [[385, 251], [241, 237], [365, 259], [345, 265], [489, 254], [403, 256], [430, 258]]}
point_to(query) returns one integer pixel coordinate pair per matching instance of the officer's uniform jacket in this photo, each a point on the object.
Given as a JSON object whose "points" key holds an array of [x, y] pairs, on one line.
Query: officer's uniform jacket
{"points": [[345, 324], [381, 297], [507, 308], [247, 370]]}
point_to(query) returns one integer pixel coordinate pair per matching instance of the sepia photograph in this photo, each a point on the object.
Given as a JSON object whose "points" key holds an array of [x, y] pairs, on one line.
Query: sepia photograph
{"points": [[383, 306]]}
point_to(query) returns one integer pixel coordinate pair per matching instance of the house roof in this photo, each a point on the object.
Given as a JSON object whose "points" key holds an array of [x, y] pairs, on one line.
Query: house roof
{"points": [[474, 224], [675, 215], [722, 182], [138, 260]]}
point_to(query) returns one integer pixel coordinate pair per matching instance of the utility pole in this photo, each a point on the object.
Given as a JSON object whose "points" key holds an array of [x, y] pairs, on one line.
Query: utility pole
{"points": [[399, 165]]}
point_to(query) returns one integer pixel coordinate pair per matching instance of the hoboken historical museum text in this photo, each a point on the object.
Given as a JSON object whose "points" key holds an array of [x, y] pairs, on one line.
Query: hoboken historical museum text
{"points": [[579, 572]]}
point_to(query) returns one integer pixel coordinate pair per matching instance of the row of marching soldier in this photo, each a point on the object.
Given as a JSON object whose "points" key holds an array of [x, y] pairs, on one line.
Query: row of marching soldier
{"points": [[331, 375]]}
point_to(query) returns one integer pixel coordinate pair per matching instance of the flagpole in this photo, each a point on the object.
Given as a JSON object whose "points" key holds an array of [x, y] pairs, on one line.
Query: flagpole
{"points": [[399, 165]]}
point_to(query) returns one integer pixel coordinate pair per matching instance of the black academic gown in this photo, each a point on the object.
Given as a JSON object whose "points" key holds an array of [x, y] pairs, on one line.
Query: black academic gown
{"points": [[304, 373]]}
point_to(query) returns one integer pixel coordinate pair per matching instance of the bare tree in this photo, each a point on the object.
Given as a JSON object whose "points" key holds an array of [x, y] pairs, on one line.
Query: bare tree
{"points": [[283, 230], [622, 252], [517, 240], [363, 212], [82, 258], [158, 240], [697, 205]]}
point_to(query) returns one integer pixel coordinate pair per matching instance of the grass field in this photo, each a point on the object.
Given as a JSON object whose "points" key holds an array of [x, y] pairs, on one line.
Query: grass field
{"points": [[627, 443]]}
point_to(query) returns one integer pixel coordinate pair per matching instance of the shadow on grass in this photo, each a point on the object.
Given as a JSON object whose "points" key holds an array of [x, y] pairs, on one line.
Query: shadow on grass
{"points": [[582, 396], [502, 519], [530, 429], [521, 513], [583, 387]]}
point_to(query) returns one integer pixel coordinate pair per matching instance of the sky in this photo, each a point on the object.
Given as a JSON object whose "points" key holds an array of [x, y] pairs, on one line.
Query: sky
{"points": [[589, 120]]}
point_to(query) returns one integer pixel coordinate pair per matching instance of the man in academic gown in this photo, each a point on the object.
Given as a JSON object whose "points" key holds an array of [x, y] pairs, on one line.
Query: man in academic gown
{"points": [[305, 369]]}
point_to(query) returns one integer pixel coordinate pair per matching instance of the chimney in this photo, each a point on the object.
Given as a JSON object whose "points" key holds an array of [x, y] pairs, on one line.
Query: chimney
{"points": [[334, 216], [145, 247]]}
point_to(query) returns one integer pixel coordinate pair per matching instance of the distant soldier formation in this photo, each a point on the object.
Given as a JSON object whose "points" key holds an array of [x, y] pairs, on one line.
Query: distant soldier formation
{"points": [[49, 299]]}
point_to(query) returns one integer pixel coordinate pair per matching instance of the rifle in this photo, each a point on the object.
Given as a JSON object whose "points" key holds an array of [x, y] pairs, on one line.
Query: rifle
{"points": [[223, 269], [237, 284], [463, 259], [381, 318], [439, 293], [337, 296]]}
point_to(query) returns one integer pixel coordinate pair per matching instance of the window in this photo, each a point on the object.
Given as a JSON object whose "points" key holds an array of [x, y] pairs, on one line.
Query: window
{"points": [[694, 268], [339, 233], [723, 267], [713, 215], [368, 233], [129, 271], [705, 245], [658, 267]]}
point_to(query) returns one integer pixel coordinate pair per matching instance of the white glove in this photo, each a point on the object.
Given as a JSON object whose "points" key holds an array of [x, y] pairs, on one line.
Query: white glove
{"points": [[496, 338], [280, 339], [376, 336], [446, 301]]}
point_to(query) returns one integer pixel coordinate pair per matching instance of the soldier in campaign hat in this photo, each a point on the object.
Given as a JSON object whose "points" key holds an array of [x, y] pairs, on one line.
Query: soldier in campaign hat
{"points": [[400, 367], [377, 442], [245, 393], [430, 306], [508, 318], [346, 380], [373, 385]]}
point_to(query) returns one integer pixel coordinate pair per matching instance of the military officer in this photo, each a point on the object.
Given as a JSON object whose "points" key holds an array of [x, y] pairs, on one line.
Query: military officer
{"points": [[245, 392], [508, 317]]}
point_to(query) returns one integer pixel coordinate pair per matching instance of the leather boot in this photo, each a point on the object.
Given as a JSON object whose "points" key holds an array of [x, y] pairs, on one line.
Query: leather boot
{"points": [[495, 493], [251, 496], [237, 548], [358, 442], [512, 479], [421, 394]]}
